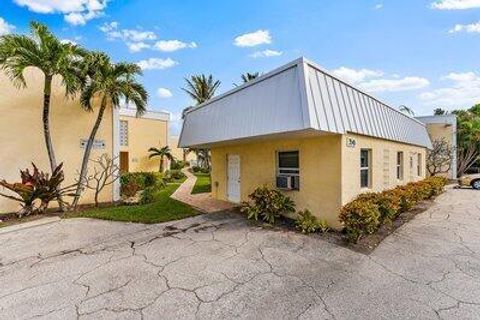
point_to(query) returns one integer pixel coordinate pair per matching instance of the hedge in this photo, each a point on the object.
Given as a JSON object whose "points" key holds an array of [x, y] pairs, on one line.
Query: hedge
{"points": [[365, 214]]}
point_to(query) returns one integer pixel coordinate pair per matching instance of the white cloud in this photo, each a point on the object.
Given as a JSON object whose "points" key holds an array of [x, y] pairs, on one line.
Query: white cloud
{"points": [[403, 84], [464, 91], [378, 6], [164, 93], [266, 54], [374, 81], [76, 12], [173, 45], [469, 28], [355, 76], [157, 64], [253, 39], [137, 46], [113, 32], [455, 4], [5, 27]]}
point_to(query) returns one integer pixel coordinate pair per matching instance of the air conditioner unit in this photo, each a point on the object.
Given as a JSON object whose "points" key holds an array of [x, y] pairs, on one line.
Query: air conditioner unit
{"points": [[284, 182]]}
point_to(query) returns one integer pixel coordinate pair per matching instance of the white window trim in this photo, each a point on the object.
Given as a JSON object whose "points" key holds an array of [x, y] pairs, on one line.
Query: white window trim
{"points": [[400, 166], [368, 168], [279, 169]]}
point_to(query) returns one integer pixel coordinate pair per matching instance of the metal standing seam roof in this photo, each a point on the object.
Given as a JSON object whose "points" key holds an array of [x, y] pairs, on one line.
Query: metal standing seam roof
{"points": [[297, 96]]}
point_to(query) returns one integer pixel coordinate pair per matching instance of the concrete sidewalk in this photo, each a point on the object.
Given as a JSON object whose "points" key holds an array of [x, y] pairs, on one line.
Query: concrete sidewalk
{"points": [[203, 202]]}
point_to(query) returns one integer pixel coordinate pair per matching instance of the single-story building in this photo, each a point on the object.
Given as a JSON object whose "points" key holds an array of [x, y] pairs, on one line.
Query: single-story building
{"points": [[444, 127], [137, 135], [302, 130]]}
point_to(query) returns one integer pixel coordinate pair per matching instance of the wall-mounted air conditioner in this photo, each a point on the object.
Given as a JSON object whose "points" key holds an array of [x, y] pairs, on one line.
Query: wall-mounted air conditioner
{"points": [[287, 182]]}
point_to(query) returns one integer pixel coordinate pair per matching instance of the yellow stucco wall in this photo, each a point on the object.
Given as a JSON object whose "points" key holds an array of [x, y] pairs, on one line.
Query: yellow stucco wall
{"points": [[144, 133], [320, 171], [329, 170], [383, 162], [178, 152], [21, 133]]}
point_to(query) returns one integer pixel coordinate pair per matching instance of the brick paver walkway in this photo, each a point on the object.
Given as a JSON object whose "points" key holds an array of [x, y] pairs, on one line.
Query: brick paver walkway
{"points": [[203, 201]]}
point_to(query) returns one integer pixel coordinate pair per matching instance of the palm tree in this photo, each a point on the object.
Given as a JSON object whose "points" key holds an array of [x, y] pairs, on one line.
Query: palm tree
{"points": [[163, 153], [246, 77], [407, 110], [110, 83], [201, 88], [46, 52]]}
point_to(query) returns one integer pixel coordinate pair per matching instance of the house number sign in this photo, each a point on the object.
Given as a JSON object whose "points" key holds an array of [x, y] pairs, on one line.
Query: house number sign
{"points": [[351, 142]]}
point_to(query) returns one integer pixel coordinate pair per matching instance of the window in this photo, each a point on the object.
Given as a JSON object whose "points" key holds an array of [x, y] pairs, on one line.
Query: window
{"points": [[400, 165], [288, 164], [419, 164], [124, 133], [365, 163]]}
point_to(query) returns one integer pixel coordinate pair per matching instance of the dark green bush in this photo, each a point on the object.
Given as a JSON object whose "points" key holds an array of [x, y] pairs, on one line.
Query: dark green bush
{"points": [[148, 195], [143, 179], [267, 204], [197, 169], [178, 165], [173, 175]]}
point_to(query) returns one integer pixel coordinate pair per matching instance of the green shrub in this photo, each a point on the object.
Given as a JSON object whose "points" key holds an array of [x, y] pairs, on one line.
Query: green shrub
{"points": [[197, 169], [173, 175], [360, 217], [308, 223], [267, 204], [148, 195], [130, 189], [364, 215], [178, 165], [149, 179]]}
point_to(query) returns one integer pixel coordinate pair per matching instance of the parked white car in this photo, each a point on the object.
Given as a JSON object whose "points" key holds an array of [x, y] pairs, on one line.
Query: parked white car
{"points": [[470, 180]]}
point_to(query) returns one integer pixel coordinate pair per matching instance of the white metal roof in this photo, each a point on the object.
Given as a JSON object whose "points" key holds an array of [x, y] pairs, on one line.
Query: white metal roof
{"points": [[299, 96]]}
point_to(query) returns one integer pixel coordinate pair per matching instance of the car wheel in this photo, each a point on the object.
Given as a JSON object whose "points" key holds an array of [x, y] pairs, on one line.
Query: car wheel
{"points": [[476, 184]]}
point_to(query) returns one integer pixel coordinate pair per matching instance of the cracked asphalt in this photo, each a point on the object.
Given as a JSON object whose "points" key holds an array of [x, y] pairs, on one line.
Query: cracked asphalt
{"points": [[218, 267]]}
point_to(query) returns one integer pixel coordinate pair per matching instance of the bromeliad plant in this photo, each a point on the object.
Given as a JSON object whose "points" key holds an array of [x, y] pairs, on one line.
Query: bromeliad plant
{"points": [[36, 190], [267, 204]]}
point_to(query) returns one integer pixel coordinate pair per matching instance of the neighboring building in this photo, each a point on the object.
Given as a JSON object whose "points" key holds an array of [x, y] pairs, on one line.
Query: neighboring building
{"points": [[22, 140], [304, 131], [137, 135], [179, 153], [444, 127]]}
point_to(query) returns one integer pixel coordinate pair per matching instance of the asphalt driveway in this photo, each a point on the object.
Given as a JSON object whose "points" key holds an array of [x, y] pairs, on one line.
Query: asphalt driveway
{"points": [[218, 267]]}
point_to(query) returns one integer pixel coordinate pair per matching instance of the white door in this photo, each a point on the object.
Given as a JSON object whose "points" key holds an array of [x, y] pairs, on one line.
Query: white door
{"points": [[233, 178]]}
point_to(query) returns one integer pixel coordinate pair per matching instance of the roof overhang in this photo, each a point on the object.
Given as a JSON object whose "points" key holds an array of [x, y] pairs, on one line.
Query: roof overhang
{"points": [[296, 97]]}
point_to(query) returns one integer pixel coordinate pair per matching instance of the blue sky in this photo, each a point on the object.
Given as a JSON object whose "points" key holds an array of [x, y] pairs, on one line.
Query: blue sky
{"points": [[423, 54]]}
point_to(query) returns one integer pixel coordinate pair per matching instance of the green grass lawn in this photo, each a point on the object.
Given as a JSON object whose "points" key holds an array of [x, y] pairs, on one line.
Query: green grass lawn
{"points": [[162, 209], [203, 183]]}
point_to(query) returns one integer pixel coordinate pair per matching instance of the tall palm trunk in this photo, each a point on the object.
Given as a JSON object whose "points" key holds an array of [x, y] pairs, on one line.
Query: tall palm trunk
{"points": [[47, 93], [161, 164], [47, 90], [88, 150]]}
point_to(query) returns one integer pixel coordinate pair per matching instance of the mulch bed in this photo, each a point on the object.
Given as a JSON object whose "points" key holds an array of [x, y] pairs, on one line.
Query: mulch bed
{"points": [[365, 245]]}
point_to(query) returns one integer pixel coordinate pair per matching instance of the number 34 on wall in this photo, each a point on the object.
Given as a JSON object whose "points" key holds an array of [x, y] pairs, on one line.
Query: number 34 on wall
{"points": [[351, 142]]}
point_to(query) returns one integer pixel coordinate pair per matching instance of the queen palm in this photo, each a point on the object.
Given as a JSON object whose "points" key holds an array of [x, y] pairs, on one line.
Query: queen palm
{"points": [[163, 153], [46, 52], [108, 84], [201, 87]]}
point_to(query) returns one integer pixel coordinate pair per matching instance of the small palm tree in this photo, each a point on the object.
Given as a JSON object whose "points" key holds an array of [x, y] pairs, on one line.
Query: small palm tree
{"points": [[163, 153], [110, 83], [201, 88], [46, 52], [246, 77]]}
